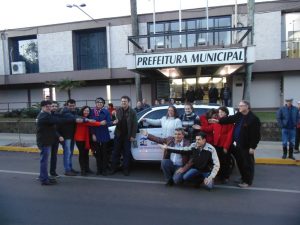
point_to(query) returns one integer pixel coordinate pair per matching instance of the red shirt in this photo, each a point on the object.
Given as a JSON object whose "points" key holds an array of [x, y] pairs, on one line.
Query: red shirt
{"points": [[222, 135], [207, 128], [82, 132]]}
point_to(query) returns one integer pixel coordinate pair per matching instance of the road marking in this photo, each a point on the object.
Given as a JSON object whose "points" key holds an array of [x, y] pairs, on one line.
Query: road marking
{"points": [[154, 182]]}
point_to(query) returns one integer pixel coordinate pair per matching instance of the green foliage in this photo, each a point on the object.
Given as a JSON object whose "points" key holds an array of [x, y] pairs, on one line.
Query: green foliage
{"points": [[31, 112], [68, 84]]}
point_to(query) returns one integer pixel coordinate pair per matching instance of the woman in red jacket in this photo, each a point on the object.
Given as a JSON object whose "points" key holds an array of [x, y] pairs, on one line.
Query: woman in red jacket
{"points": [[205, 126], [222, 140], [82, 138]]}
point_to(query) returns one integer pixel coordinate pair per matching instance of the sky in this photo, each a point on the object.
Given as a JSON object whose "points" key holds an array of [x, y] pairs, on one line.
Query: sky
{"points": [[30, 13]]}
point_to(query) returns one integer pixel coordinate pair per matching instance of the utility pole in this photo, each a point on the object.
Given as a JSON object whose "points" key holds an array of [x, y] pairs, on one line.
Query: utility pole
{"points": [[250, 38], [135, 32]]}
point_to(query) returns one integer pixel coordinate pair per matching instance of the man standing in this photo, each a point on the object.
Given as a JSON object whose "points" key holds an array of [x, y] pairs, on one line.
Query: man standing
{"points": [[145, 105], [297, 131], [46, 136], [190, 95], [287, 118], [101, 136], [203, 165], [171, 161], [67, 132], [213, 94], [246, 136], [54, 146], [125, 133], [225, 95]]}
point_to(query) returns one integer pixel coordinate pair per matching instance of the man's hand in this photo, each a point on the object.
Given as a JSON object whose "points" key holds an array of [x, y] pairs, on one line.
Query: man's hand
{"points": [[144, 132], [103, 122], [207, 180], [164, 146], [251, 151], [196, 127], [180, 170], [213, 121], [225, 150], [61, 139], [94, 137], [91, 120], [132, 138], [79, 120], [115, 122]]}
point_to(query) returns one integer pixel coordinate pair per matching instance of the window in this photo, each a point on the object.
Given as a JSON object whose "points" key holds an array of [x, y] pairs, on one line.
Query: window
{"points": [[25, 49], [190, 40], [91, 49]]}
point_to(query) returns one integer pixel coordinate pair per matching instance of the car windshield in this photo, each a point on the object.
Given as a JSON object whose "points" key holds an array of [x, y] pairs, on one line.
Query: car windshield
{"points": [[141, 113]]}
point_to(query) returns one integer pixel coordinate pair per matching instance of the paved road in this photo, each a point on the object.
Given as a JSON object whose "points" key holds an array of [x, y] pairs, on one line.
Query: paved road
{"points": [[142, 198]]}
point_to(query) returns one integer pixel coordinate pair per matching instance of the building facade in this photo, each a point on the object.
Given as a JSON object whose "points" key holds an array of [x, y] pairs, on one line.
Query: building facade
{"points": [[105, 55]]}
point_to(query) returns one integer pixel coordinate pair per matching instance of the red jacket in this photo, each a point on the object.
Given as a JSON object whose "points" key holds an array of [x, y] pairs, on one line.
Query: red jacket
{"points": [[82, 132], [207, 128], [222, 135]]}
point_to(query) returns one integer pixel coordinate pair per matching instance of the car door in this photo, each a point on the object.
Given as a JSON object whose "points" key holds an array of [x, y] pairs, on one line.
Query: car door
{"points": [[145, 149]]}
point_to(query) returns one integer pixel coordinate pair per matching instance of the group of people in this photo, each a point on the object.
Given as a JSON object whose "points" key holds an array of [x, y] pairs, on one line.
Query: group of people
{"points": [[216, 135], [196, 147], [88, 129], [198, 94]]}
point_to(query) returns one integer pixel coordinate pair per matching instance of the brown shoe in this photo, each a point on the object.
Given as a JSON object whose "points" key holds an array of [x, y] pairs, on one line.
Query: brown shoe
{"points": [[70, 173]]}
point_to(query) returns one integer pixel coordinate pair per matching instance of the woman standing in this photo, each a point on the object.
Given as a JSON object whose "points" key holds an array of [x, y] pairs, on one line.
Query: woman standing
{"points": [[82, 138], [168, 123], [189, 119]]}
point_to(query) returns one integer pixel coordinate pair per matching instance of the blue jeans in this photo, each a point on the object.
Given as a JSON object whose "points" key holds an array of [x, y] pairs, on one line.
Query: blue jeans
{"points": [[53, 158], [68, 146], [192, 175], [44, 154], [288, 136], [168, 168]]}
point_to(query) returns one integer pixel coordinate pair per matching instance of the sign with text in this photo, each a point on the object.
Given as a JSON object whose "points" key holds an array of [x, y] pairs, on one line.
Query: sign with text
{"points": [[208, 57]]}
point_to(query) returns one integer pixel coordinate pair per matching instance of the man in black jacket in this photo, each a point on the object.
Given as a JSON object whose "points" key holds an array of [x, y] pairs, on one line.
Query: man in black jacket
{"points": [[246, 136], [125, 133], [46, 136]]}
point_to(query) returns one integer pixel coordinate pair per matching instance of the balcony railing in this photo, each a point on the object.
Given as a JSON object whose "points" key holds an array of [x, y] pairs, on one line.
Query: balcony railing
{"points": [[189, 39], [290, 49]]}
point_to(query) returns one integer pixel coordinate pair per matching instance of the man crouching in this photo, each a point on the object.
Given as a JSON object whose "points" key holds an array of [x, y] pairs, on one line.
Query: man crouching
{"points": [[172, 160], [203, 164]]}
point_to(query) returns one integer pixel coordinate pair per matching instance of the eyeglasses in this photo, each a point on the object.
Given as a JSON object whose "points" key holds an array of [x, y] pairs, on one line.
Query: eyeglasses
{"points": [[99, 102], [241, 105]]}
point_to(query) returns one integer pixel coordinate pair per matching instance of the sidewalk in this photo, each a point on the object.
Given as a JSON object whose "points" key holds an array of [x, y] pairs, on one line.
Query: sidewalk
{"points": [[267, 152]]}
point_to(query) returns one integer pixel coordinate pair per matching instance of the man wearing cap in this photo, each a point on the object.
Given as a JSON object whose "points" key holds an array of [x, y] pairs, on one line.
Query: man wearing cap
{"points": [[287, 118], [297, 131]]}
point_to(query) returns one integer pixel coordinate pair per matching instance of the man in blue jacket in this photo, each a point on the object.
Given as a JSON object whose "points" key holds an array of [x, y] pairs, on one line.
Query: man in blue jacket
{"points": [[287, 118]]}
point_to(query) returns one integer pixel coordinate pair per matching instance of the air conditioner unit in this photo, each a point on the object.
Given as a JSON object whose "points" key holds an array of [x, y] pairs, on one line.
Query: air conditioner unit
{"points": [[18, 67]]}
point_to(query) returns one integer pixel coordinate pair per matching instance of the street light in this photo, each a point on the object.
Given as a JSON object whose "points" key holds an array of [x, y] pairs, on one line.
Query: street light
{"points": [[79, 7]]}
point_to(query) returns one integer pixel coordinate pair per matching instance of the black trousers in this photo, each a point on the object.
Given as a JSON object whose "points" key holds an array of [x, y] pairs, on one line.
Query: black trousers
{"points": [[224, 158], [83, 156], [245, 163], [53, 159], [102, 153], [297, 138]]}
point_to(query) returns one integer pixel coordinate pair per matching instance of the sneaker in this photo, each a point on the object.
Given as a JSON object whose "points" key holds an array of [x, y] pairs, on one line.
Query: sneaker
{"points": [[283, 156], [243, 185], [296, 151], [54, 175], [49, 182], [170, 183], [89, 171], [292, 157], [70, 173]]}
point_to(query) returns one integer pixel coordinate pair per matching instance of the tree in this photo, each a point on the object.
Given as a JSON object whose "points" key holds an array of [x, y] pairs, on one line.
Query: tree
{"points": [[68, 84]]}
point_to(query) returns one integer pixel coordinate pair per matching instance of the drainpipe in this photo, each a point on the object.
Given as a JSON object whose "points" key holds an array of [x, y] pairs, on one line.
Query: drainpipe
{"points": [[108, 36]]}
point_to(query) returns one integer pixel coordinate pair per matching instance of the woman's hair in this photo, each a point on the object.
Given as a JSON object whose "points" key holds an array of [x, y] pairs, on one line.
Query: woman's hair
{"points": [[209, 114], [83, 108], [175, 111], [224, 109]]}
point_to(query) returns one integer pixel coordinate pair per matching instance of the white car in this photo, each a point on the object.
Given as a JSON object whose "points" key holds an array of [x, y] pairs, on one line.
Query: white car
{"points": [[144, 149]]}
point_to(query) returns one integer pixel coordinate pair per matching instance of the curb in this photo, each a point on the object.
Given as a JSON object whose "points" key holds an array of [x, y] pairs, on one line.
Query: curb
{"points": [[266, 161]]}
